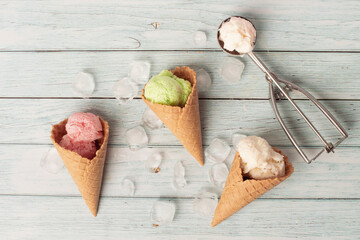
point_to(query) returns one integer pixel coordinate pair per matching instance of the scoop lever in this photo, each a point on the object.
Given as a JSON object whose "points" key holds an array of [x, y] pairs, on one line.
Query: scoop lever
{"points": [[274, 86]]}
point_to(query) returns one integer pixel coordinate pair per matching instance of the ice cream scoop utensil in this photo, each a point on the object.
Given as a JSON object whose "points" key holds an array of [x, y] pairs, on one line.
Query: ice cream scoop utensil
{"points": [[279, 91]]}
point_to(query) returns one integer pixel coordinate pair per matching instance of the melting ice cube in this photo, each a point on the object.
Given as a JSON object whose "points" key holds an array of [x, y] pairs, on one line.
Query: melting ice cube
{"points": [[203, 80], [127, 187], [84, 84], [217, 151], [136, 138], [235, 139], [218, 174], [153, 162], [205, 204], [51, 161], [232, 69], [151, 120], [179, 180], [162, 213], [125, 90], [200, 38], [140, 71]]}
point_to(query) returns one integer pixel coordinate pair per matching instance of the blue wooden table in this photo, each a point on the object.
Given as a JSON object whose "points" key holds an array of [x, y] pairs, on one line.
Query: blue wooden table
{"points": [[44, 44]]}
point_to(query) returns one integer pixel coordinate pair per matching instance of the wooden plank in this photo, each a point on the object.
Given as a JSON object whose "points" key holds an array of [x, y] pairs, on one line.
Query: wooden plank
{"points": [[281, 25], [48, 217], [331, 176], [325, 75], [29, 120]]}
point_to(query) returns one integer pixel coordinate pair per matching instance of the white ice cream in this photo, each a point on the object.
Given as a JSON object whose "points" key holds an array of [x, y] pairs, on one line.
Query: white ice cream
{"points": [[238, 34], [259, 160]]}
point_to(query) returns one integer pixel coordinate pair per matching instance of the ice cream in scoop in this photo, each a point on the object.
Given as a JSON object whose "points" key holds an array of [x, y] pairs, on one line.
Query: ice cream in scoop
{"points": [[167, 89], [238, 34], [259, 160]]}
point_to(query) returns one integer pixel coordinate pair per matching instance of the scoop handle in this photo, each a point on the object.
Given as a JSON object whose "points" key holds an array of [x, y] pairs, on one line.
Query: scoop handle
{"points": [[274, 80]]}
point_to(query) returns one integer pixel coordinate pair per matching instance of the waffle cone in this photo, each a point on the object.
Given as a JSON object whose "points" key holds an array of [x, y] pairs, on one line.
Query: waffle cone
{"points": [[238, 193], [87, 174], [184, 122]]}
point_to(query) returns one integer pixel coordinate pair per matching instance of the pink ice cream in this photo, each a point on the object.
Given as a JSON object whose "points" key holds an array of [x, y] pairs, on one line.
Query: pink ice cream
{"points": [[84, 127], [84, 149]]}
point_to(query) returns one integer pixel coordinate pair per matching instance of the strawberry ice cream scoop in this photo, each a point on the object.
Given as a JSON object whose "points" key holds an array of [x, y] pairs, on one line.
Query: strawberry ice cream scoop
{"points": [[84, 127], [84, 149]]}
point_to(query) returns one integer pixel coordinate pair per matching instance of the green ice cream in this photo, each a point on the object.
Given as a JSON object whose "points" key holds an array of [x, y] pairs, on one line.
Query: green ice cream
{"points": [[166, 88]]}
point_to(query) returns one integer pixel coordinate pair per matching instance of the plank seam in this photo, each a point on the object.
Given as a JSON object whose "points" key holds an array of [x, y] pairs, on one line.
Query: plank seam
{"points": [[202, 99], [171, 50], [112, 197], [180, 146]]}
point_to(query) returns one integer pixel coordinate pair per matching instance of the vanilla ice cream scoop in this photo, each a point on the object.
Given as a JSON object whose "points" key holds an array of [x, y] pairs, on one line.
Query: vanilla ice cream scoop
{"points": [[259, 160], [237, 35]]}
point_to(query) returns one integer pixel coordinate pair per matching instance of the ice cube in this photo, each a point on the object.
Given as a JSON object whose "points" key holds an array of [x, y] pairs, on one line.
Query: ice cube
{"points": [[162, 213], [151, 120], [51, 161], [127, 187], [140, 71], [179, 180], [217, 151], [205, 204], [136, 138], [203, 80], [84, 84], [235, 139], [199, 38], [179, 169], [125, 90], [218, 174], [230, 158], [231, 69], [153, 162]]}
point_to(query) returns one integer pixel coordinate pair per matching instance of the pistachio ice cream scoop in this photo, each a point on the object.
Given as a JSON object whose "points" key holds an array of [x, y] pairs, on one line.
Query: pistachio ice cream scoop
{"points": [[166, 88]]}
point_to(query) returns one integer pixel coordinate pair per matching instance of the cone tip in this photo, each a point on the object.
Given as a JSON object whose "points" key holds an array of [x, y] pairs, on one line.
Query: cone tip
{"points": [[199, 157], [94, 212], [201, 162], [213, 223]]}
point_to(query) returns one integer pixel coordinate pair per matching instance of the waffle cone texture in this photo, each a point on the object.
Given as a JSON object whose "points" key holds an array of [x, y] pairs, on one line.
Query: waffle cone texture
{"points": [[184, 122], [238, 193], [87, 174]]}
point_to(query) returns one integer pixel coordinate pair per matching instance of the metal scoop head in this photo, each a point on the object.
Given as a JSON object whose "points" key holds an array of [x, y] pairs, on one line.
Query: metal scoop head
{"points": [[221, 43]]}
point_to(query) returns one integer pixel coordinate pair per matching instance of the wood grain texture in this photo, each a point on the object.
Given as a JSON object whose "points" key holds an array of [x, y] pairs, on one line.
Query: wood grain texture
{"points": [[331, 176], [48, 217], [50, 74], [43, 44], [29, 120], [281, 25]]}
